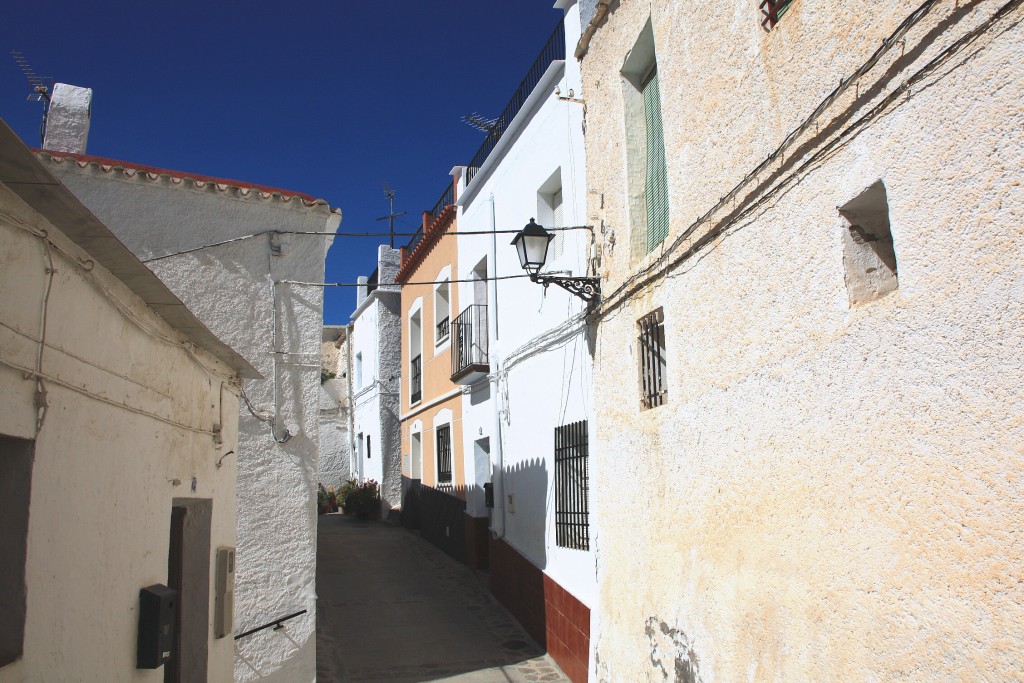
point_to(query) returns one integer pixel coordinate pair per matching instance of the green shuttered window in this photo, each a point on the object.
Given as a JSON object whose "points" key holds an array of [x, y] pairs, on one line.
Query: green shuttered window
{"points": [[656, 185]]}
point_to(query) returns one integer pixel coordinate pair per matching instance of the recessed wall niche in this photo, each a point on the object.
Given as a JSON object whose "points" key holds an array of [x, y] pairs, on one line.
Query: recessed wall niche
{"points": [[869, 256]]}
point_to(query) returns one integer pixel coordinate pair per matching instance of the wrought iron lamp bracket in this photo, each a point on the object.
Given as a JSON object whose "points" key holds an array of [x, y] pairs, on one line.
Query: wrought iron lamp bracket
{"points": [[586, 288]]}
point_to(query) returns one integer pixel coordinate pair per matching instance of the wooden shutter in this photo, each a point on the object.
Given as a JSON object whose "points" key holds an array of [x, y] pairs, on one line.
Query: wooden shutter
{"points": [[656, 186]]}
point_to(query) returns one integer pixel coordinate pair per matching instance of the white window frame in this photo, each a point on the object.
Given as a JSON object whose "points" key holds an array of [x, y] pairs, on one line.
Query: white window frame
{"points": [[414, 310], [416, 459], [443, 279], [443, 418]]}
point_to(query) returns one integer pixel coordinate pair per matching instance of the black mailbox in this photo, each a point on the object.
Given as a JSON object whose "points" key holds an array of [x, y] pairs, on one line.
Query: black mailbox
{"points": [[489, 494], [157, 604]]}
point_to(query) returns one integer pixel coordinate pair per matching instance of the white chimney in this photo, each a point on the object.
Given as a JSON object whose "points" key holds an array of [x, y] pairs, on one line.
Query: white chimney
{"points": [[67, 123]]}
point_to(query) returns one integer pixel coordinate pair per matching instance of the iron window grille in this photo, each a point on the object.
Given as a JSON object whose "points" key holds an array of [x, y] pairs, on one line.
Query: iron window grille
{"points": [[444, 458], [773, 11], [416, 379], [572, 485], [651, 343], [442, 330]]}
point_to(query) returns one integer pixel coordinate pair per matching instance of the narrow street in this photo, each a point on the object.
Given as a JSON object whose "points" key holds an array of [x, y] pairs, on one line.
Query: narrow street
{"points": [[392, 607]]}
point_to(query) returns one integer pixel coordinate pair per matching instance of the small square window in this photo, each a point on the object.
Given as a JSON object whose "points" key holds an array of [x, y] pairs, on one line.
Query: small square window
{"points": [[651, 345]]}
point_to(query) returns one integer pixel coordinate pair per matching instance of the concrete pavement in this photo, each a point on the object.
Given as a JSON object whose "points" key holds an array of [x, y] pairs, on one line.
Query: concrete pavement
{"points": [[392, 607]]}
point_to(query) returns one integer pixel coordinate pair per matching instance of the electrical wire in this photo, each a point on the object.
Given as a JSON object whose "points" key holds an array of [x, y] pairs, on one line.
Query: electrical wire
{"points": [[446, 233], [103, 399], [400, 284], [87, 266], [661, 264]]}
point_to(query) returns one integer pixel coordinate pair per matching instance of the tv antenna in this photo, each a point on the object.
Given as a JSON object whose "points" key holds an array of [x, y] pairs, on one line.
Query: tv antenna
{"points": [[481, 123], [40, 89], [390, 218]]}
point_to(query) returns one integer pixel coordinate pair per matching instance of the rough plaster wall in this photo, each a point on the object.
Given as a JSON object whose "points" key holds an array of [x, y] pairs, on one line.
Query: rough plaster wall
{"points": [[230, 288], [335, 463], [830, 493], [103, 477], [389, 324]]}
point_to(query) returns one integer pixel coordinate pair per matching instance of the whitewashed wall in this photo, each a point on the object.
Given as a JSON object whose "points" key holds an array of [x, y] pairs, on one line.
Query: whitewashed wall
{"points": [[830, 493], [539, 345], [278, 328], [128, 428], [377, 338], [335, 463]]}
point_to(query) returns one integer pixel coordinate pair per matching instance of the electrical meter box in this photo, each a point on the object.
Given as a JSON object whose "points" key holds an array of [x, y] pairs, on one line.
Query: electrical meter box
{"points": [[224, 596], [157, 606]]}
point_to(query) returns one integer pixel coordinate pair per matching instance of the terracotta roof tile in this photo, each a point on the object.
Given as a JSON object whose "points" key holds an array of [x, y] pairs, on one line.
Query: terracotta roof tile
{"points": [[154, 172]]}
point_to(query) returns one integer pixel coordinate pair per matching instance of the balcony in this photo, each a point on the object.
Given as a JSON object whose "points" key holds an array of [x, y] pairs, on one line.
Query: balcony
{"points": [[416, 379], [469, 345]]}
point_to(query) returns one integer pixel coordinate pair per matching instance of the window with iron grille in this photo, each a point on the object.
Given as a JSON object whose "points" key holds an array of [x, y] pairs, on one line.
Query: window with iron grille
{"points": [[416, 379], [441, 313], [444, 456], [572, 485], [651, 346], [772, 11]]}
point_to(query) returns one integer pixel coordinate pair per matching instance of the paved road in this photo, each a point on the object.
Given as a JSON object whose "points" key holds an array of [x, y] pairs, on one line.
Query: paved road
{"points": [[392, 607]]}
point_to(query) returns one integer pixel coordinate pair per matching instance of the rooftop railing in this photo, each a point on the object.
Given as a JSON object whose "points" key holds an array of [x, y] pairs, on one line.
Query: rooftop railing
{"points": [[553, 51]]}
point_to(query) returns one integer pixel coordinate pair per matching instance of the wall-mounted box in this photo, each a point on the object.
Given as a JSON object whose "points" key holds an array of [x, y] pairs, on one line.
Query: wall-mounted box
{"points": [[224, 598], [157, 605]]}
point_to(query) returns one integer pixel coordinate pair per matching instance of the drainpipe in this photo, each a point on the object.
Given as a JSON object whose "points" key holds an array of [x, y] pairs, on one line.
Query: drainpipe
{"points": [[351, 404], [498, 476]]}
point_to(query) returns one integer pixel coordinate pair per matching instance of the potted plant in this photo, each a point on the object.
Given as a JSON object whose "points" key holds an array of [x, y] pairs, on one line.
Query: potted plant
{"points": [[344, 494], [332, 499], [364, 500]]}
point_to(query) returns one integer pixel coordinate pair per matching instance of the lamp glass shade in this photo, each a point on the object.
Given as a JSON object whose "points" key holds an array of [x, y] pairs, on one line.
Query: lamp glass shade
{"points": [[532, 244]]}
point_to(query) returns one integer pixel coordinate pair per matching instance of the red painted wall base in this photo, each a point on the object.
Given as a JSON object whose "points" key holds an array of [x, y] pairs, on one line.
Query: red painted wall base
{"points": [[548, 612]]}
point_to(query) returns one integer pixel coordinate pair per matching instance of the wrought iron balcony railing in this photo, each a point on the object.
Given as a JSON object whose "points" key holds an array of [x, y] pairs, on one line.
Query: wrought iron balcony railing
{"points": [[553, 51], [416, 379], [469, 345]]}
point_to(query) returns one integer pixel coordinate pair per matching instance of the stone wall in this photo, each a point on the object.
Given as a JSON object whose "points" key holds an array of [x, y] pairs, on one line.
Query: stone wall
{"points": [[830, 490]]}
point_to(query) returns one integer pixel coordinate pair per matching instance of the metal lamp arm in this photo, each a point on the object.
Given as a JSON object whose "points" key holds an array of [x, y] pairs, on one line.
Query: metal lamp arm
{"points": [[586, 288]]}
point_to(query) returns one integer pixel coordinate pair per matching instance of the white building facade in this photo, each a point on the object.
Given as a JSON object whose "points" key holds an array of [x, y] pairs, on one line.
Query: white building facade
{"points": [[524, 356], [234, 256], [376, 376]]}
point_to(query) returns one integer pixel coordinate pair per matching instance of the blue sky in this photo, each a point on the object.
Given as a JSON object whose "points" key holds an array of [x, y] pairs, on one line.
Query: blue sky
{"points": [[328, 98]]}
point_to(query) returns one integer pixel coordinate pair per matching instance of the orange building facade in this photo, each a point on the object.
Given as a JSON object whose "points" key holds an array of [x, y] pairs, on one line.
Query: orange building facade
{"points": [[433, 464]]}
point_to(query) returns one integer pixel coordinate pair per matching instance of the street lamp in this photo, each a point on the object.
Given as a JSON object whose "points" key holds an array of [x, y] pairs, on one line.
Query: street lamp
{"points": [[532, 244]]}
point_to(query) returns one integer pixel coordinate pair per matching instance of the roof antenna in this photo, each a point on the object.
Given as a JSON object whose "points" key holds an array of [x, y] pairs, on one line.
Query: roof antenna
{"points": [[390, 218], [40, 89], [481, 123]]}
